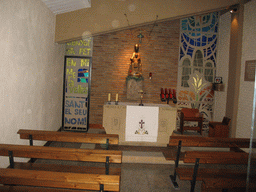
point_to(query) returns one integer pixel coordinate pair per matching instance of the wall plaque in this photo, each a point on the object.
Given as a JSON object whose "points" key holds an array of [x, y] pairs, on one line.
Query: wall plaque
{"points": [[249, 73]]}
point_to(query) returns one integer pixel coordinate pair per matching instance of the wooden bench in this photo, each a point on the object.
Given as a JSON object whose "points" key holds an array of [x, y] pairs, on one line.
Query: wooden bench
{"points": [[108, 139], [61, 176], [209, 175], [34, 189], [231, 182], [234, 144]]}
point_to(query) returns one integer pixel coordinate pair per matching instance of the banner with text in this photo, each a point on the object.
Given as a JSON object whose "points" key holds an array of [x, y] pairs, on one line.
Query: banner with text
{"points": [[77, 81]]}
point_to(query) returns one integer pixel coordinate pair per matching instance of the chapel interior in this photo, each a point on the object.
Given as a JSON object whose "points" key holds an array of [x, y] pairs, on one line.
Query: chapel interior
{"points": [[144, 71]]}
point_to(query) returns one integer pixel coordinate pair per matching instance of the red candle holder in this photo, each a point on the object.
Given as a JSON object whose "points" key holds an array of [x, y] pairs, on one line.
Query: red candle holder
{"points": [[167, 95]]}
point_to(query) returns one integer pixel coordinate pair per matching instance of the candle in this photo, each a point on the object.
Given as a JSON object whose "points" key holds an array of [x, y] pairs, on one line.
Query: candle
{"points": [[174, 93], [162, 91], [117, 97], [109, 97], [170, 93]]}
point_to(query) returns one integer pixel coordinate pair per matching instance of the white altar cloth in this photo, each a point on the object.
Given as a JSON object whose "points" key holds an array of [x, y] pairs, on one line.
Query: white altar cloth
{"points": [[141, 123]]}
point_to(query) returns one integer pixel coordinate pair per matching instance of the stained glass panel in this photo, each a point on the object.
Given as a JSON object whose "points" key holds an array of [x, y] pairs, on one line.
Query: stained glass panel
{"points": [[198, 40]]}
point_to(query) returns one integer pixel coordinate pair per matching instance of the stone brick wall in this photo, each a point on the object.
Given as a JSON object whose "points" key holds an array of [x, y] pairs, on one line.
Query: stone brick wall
{"points": [[159, 52]]}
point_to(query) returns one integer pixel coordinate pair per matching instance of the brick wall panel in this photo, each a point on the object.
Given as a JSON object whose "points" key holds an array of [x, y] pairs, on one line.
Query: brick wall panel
{"points": [[111, 59]]}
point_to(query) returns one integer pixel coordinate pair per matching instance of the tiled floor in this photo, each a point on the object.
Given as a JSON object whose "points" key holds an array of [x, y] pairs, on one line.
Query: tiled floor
{"points": [[150, 178]]}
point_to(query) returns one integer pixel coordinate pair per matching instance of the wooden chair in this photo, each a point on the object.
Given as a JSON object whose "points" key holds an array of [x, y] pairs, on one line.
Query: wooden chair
{"points": [[219, 129], [188, 114]]}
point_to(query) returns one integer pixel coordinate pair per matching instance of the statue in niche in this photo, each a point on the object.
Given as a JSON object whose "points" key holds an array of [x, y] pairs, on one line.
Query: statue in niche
{"points": [[135, 69]]}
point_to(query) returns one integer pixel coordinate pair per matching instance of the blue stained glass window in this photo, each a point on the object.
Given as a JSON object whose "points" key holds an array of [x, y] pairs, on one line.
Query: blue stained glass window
{"points": [[82, 80], [213, 46], [187, 38], [184, 24], [185, 45], [204, 39], [199, 32], [216, 28], [181, 53], [191, 42], [190, 51], [189, 28]]}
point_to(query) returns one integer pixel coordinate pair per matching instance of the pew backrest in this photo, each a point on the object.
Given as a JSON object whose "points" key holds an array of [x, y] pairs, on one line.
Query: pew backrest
{"points": [[197, 141], [74, 137], [226, 121], [216, 157]]}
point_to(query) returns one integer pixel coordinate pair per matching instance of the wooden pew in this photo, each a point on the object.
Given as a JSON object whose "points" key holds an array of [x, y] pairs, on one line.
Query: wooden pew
{"points": [[33, 189], [61, 176], [209, 175], [234, 183], [108, 139], [234, 144], [58, 179]]}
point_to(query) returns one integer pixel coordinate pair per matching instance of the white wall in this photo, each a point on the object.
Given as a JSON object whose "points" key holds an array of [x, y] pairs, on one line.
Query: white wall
{"points": [[246, 87], [222, 65], [31, 70]]}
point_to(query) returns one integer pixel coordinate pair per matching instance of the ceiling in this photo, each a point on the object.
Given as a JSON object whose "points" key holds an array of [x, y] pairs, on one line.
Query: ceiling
{"points": [[64, 6]]}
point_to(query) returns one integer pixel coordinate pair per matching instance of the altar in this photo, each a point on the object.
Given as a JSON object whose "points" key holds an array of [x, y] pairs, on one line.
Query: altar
{"points": [[148, 125]]}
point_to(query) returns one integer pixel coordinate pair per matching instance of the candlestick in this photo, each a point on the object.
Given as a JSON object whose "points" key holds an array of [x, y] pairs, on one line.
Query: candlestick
{"points": [[109, 97]]}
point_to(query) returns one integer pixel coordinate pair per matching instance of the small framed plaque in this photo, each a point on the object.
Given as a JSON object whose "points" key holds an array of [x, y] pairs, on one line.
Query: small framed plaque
{"points": [[249, 73], [218, 80]]}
